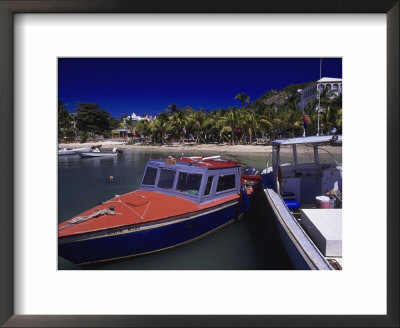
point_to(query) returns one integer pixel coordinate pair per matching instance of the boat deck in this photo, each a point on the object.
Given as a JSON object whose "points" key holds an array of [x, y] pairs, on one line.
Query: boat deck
{"points": [[136, 207]]}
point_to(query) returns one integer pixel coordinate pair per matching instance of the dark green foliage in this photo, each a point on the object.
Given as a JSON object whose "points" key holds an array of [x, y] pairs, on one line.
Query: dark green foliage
{"points": [[114, 123], [65, 124], [83, 136], [91, 119]]}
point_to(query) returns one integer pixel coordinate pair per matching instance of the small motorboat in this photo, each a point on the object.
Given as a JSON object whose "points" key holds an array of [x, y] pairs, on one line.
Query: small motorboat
{"points": [[303, 190], [73, 151], [179, 201], [97, 153], [65, 151], [82, 150]]}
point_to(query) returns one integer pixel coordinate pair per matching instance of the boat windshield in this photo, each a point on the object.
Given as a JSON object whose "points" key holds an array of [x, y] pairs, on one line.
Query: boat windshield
{"points": [[330, 155], [166, 179], [150, 176], [286, 155], [305, 154], [189, 183]]}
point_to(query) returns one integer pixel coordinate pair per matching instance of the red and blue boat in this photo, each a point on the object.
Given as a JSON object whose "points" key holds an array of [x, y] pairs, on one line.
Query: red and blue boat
{"points": [[179, 201]]}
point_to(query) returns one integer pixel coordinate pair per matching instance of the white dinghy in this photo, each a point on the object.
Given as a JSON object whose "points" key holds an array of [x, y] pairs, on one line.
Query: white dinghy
{"points": [[74, 151], [97, 153]]}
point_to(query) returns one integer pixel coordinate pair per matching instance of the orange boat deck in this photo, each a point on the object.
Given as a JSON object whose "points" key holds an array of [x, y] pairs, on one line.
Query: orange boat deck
{"points": [[136, 207]]}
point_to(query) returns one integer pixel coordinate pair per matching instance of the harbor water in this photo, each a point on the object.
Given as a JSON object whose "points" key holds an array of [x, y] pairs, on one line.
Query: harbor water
{"points": [[252, 243]]}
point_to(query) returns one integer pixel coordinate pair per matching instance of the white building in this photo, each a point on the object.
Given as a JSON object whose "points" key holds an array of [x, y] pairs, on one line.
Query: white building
{"points": [[330, 84], [139, 118]]}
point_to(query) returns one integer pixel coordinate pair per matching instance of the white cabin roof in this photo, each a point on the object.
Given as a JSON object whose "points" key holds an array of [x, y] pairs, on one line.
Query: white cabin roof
{"points": [[330, 80], [306, 140]]}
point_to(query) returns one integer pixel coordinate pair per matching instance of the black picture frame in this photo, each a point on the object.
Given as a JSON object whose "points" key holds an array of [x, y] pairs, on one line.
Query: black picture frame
{"points": [[10, 7]]}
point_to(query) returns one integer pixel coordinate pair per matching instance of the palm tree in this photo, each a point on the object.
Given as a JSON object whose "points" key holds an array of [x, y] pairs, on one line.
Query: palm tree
{"points": [[229, 123], [131, 124], [159, 126], [292, 100], [243, 98], [249, 124], [264, 125], [293, 119], [177, 124], [197, 122], [143, 128]]}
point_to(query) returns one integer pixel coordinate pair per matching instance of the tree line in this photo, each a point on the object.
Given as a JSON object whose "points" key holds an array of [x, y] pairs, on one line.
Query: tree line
{"points": [[234, 125]]}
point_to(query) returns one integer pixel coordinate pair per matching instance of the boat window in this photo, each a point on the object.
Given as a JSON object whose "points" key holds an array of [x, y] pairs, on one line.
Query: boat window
{"points": [[189, 183], [226, 182], [208, 186], [150, 176], [166, 179], [305, 154], [286, 155], [330, 154]]}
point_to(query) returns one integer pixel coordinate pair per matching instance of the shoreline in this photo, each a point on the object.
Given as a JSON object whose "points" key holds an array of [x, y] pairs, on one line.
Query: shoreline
{"points": [[225, 148], [180, 147]]}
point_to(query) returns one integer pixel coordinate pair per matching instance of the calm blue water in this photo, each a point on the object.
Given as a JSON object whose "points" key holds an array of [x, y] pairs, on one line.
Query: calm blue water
{"points": [[251, 243]]}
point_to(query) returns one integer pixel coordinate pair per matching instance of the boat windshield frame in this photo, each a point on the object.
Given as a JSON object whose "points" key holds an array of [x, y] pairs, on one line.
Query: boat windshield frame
{"points": [[315, 142], [181, 167]]}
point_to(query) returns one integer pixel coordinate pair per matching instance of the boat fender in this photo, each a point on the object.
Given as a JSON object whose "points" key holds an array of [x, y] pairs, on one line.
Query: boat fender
{"points": [[111, 178], [245, 203]]}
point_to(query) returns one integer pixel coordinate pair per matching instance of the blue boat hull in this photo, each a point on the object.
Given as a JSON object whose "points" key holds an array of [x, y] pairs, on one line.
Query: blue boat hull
{"points": [[295, 256], [114, 245]]}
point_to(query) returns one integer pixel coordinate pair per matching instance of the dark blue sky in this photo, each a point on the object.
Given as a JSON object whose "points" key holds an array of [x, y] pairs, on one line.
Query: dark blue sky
{"points": [[148, 85]]}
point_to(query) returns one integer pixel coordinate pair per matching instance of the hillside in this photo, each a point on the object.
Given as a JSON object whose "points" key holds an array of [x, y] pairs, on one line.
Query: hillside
{"points": [[273, 98]]}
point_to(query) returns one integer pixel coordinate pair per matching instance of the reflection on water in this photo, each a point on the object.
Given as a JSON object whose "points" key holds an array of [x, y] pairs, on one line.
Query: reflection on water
{"points": [[251, 243]]}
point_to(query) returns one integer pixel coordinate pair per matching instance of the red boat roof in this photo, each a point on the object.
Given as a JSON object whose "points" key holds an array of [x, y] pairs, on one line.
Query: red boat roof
{"points": [[136, 207], [210, 162]]}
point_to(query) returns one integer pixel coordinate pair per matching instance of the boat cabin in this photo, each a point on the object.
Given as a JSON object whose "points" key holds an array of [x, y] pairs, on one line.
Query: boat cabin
{"points": [[198, 179], [303, 168]]}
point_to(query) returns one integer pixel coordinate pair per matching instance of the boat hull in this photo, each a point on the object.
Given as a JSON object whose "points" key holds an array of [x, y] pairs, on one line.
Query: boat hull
{"points": [[136, 240], [301, 251], [66, 152], [94, 154]]}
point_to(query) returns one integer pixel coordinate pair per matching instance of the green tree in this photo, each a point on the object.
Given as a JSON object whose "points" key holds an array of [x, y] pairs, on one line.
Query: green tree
{"points": [[143, 128], [91, 119], [229, 123], [131, 125], [159, 126], [176, 124], [197, 122], [243, 98], [114, 123], [65, 123]]}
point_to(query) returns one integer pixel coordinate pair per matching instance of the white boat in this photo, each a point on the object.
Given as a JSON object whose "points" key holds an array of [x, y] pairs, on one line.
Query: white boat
{"points": [[304, 192], [65, 151], [97, 153], [74, 151], [82, 150]]}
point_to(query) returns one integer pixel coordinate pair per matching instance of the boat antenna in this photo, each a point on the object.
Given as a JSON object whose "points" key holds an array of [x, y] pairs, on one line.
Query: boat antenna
{"points": [[319, 93]]}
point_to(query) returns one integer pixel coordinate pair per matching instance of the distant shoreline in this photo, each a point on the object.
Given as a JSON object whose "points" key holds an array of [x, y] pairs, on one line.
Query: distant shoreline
{"points": [[261, 149], [178, 147]]}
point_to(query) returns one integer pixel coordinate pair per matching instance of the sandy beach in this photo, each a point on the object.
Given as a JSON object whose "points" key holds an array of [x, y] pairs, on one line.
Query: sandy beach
{"points": [[180, 147], [225, 148]]}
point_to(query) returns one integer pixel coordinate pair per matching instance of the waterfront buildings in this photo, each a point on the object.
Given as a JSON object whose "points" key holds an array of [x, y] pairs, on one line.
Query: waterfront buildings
{"points": [[332, 86]]}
